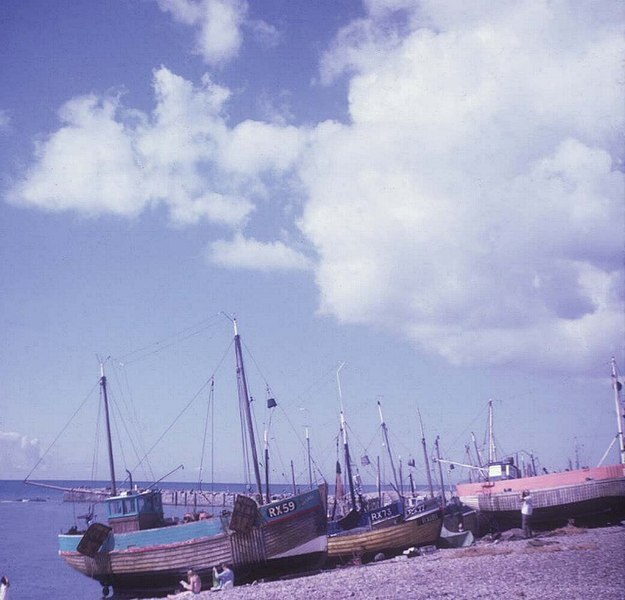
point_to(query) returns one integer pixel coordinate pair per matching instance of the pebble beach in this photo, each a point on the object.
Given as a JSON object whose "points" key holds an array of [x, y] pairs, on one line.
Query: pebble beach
{"points": [[567, 563]]}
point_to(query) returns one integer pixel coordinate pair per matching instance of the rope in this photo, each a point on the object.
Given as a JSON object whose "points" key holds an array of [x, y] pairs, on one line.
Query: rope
{"points": [[62, 431], [208, 406]]}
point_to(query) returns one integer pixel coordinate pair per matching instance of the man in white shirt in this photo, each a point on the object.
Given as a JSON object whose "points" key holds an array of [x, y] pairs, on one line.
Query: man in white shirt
{"points": [[527, 509]]}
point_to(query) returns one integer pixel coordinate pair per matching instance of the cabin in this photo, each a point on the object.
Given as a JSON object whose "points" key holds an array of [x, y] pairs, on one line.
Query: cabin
{"points": [[134, 511], [502, 470]]}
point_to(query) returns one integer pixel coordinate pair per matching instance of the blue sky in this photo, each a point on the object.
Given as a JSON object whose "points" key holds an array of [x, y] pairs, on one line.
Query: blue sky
{"points": [[430, 192]]}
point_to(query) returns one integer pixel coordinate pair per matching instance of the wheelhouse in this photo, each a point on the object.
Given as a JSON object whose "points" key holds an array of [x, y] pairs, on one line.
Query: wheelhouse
{"points": [[133, 511]]}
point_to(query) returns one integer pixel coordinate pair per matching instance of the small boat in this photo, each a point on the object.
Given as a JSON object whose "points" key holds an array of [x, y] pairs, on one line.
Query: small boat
{"points": [[589, 495], [139, 552], [364, 533]]}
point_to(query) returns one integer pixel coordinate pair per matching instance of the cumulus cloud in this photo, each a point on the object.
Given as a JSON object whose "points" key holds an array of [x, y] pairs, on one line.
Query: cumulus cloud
{"points": [[218, 25], [248, 253], [18, 454], [107, 158], [474, 201]]}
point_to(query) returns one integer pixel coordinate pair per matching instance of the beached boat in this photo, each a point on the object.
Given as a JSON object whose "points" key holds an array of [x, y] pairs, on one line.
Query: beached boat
{"points": [[362, 533], [586, 495], [139, 552]]}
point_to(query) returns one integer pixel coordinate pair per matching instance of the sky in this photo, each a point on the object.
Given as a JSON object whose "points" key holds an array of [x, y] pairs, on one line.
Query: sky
{"points": [[429, 193]]}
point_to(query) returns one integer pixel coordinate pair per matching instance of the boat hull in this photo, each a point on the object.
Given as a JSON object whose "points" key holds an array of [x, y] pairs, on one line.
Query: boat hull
{"points": [[152, 562], [388, 539], [586, 496]]}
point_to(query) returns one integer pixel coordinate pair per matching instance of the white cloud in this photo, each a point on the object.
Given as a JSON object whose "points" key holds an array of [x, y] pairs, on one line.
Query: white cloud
{"points": [[218, 24], [18, 454], [88, 163], [248, 253], [254, 146], [106, 158], [472, 201]]}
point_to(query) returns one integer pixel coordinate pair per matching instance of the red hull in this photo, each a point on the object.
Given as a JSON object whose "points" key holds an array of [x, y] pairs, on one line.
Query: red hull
{"points": [[594, 494]]}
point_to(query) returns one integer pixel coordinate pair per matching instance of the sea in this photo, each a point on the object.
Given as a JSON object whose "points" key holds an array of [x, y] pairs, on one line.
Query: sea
{"points": [[30, 520]]}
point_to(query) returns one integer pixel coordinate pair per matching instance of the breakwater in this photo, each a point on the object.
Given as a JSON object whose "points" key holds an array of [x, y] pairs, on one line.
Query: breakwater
{"points": [[198, 498], [186, 498]]}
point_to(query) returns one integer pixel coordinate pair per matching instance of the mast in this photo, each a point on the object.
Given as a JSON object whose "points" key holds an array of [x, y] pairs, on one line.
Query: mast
{"points": [[267, 468], [425, 457], [620, 410], [477, 451], [440, 470], [293, 478], [348, 462], [244, 399], [379, 482], [388, 448], [492, 453], [309, 459], [108, 429]]}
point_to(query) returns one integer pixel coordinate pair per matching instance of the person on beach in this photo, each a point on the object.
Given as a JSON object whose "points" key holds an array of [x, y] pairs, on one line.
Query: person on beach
{"points": [[4, 588], [194, 584], [223, 579], [526, 513]]}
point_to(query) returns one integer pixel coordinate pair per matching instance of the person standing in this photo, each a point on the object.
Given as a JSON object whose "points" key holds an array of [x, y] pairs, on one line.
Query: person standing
{"points": [[527, 509], [4, 588]]}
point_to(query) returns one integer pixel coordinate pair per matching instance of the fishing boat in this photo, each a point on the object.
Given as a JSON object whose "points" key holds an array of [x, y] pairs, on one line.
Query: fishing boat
{"points": [[589, 495], [364, 533], [139, 552]]}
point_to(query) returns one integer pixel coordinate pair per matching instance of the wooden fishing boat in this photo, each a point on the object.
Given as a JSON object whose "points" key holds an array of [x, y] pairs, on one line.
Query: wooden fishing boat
{"points": [[389, 535], [389, 529], [585, 495], [592, 495], [139, 552], [284, 536]]}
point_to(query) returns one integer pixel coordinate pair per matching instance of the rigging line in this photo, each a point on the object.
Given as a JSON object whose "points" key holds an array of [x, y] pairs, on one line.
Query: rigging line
{"points": [[96, 448], [283, 472], [62, 430], [208, 406], [186, 333], [187, 406], [213, 444], [116, 414], [131, 437], [299, 438], [244, 442], [133, 418], [173, 423], [161, 348]]}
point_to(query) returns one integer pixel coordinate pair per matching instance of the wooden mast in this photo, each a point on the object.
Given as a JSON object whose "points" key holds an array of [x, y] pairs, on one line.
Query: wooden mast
{"points": [[620, 410], [348, 462], [425, 456], [267, 467], [388, 448], [309, 459], [244, 399], [492, 453], [440, 470], [108, 429]]}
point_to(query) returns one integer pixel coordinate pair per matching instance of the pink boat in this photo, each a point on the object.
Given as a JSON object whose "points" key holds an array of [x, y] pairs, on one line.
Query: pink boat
{"points": [[593, 495]]}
